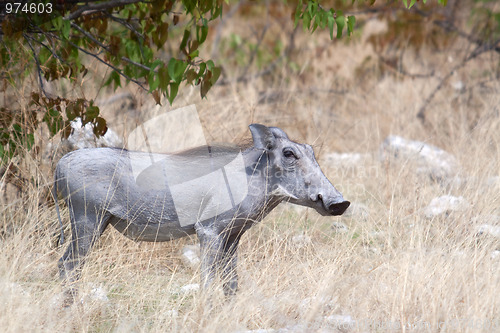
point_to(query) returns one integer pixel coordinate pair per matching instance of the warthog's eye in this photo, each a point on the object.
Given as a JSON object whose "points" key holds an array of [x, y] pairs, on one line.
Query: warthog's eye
{"points": [[288, 153]]}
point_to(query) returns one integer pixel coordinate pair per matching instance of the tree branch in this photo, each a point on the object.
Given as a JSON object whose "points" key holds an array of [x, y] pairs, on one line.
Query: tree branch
{"points": [[99, 7], [106, 63], [39, 70], [92, 38], [477, 52], [403, 72]]}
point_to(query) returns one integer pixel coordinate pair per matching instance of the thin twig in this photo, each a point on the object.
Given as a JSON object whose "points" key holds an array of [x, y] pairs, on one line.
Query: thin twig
{"points": [[266, 95], [127, 25], [39, 69], [221, 25], [92, 38], [482, 47], [107, 64], [48, 48], [478, 51], [255, 50], [401, 71], [288, 50]]}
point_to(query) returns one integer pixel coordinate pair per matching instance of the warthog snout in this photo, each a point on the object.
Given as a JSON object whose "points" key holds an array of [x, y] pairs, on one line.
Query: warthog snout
{"points": [[336, 206]]}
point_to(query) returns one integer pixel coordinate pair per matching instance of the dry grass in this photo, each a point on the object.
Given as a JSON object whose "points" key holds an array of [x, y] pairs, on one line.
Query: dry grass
{"points": [[392, 267]]}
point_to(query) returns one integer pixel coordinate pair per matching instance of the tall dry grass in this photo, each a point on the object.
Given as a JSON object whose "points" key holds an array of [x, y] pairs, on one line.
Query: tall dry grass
{"points": [[393, 269]]}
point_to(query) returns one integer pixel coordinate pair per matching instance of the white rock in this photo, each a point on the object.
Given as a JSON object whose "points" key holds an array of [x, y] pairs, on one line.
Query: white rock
{"points": [[429, 159], [14, 289], [379, 235], [457, 183], [84, 137], [340, 227], [301, 240], [96, 294], [486, 219], [458, 86], [493, 181], [190, 288], [445, 204], [488, 229], [191, 255], [346, 159], [320, 303], [495, 254], [173, 313], [342, 322], [56, 301]]}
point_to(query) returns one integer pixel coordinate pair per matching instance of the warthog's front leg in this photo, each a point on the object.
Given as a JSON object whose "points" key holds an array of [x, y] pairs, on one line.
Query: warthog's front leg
{"points": [[211, 247], [230, 259]]}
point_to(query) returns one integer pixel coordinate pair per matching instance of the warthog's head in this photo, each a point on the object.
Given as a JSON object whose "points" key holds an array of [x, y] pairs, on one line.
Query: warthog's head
{"points": [[294, 173]]}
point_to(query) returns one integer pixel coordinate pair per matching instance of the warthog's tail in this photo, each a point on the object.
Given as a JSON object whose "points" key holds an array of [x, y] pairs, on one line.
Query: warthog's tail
{"points": [[54, 195]]}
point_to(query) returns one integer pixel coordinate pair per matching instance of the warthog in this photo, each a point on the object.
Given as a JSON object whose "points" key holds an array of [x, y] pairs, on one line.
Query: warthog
{"points": [[217, 194]]}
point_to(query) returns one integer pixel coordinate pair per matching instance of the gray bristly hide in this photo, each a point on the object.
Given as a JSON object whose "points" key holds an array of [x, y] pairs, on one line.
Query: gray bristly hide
{"points": [[215, 192]]}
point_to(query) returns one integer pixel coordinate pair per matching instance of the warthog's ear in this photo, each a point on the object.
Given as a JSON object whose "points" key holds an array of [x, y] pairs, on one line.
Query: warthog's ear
{"points": [[278, 133], [262, 136]]}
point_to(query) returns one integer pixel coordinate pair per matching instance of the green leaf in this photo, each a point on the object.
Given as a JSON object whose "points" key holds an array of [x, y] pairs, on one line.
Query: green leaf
{"points": [[3, 155], [153, 81], [205, 87], [74, 109], [132, 50], [65, 28], [176, 69], [340, 20], [298, 14], [91, 113], [217, 12], [331, 23], [202, 32], [54, 121], [185, 39], [215, 75], [191, 75], [306, 21], [114, 78], [351, 21], [174, 88], [201, 71], [322, 19], [157, 97], [99, 126], [163, 78], [30, 140], [412, 2], [210, 65], [161, 35]]}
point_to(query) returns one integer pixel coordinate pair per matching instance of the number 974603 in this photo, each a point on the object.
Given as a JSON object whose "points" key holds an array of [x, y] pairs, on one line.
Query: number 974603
{"points": [[28, 8]]}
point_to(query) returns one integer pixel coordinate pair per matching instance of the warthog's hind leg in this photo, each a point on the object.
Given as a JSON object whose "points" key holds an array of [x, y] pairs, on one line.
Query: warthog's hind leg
{"points": [[85, 230]]}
